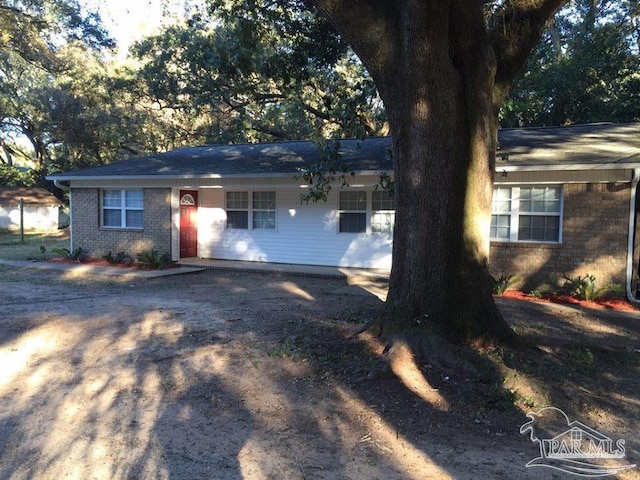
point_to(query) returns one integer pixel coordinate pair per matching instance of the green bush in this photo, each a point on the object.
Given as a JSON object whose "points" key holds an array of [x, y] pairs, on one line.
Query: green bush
{"points": [[152, 260], [77, 254], [501, 284], [118, 258], [584, 288]]}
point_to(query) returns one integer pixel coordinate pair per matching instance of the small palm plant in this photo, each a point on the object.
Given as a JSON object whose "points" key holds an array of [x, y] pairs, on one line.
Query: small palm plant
{"points": [[501, 284], [584, 288], [152, 260]]}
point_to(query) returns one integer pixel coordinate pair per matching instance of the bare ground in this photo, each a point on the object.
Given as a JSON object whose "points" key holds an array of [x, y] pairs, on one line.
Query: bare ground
{"points": [[228, 375]]}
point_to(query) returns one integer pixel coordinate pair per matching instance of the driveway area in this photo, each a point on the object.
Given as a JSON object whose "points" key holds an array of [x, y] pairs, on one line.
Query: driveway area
{"points": [[231, 375]]}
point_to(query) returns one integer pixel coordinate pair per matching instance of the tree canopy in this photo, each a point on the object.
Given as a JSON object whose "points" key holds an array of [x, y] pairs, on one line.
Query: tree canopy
{"points": [[224, 75], [263, 74], [586, 69], [44, 46], [263, 70]]}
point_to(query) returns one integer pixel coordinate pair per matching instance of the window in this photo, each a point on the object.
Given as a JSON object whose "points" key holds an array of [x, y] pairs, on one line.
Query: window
{"points": [[501, 213], [187, 199], [260, 214], [383, 212], [526, 214], [353, 212], [122, 208], [238, 210], [264, 210], [539, 214]]}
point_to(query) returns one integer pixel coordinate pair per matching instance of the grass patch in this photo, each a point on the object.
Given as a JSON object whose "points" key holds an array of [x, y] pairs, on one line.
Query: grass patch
{"points": [[11, 247]]}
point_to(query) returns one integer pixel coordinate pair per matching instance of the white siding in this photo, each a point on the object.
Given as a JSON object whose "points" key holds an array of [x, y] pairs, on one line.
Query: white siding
{"points": [[304, 234]]}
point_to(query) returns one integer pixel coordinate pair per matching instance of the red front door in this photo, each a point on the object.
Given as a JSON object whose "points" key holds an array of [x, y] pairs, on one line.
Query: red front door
{"points": [[188, 223]]}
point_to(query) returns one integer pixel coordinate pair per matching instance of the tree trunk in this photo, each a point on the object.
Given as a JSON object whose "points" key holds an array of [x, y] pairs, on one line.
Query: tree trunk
{"points": [[444, 138], [443, 68], [39, 150]]}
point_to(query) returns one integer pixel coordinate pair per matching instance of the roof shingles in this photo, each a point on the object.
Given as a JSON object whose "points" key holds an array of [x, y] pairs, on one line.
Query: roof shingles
{"points": [[532, 148], [31, 196]]}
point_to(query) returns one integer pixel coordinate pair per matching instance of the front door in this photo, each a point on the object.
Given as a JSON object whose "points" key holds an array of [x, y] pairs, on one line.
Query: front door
{"points": [[188, 223]]}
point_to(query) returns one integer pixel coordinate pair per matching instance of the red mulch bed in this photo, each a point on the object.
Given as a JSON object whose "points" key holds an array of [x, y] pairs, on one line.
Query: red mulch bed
{"points": [[604, 302], [101, 262]]}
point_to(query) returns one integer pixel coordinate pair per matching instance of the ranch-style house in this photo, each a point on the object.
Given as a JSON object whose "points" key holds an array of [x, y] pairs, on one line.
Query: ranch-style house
{"points": [[565, 202]]}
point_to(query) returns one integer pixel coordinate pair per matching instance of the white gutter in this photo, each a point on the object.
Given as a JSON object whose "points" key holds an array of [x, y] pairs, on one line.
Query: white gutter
{"points": [[215, 176], [58, 183], [500, 168], [630, 239], [614, 165]]}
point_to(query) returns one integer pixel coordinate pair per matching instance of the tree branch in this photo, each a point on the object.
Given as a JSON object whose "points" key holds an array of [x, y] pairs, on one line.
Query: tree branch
{"points": [[367, 26], [514, 31]]}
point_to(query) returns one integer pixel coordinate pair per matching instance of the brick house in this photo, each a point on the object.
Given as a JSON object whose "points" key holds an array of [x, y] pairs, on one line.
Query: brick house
{"points": [[564, 203]]}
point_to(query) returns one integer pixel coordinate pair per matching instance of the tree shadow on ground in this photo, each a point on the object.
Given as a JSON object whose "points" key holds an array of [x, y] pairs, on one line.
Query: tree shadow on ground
{"points": [[243, 376]]}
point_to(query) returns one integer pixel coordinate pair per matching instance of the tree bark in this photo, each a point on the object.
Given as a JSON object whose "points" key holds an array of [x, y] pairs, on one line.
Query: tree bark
{"points": [[442, 75], [443, 131]]}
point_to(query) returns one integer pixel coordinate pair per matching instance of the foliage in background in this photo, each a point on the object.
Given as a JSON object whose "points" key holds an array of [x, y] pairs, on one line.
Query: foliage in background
{"points": [[586, 69], [323, 174], [266, 70], [38, 41], [264, 73]]}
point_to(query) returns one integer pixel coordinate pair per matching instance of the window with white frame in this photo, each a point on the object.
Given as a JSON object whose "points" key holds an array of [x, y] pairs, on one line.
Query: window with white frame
{"points": [[501, 214], [237, 206], [122, 208], [353, 212], [529, 214], [264, 210], [260, 213], [382, 212]]}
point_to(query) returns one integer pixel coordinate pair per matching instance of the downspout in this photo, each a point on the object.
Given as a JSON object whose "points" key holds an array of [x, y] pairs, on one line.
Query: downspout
{"points": [[61, 186], [67, 188], [630, 240]]}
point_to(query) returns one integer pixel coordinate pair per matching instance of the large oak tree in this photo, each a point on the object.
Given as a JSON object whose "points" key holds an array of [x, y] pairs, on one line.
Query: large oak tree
{"points": [[443, 69]]}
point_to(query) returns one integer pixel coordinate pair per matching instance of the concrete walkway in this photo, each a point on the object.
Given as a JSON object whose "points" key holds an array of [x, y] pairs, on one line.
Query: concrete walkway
{"points": [[192, 265], [84, 268], [287, 268]]}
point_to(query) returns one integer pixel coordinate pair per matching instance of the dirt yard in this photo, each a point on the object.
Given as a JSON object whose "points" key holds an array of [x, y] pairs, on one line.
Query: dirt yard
{"points": [[229, 375]]}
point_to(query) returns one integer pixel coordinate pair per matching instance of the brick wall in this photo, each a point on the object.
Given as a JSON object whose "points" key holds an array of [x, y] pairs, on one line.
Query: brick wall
{"points": [[97, 241], [594, 241]]}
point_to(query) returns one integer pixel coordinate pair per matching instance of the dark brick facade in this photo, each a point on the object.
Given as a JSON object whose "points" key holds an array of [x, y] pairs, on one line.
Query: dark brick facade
{"points": [[594, 241], [97, 241]]}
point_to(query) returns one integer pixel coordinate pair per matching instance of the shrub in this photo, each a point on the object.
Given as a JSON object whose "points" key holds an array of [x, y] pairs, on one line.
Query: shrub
{"points": [[152, 260], [501, 284], [118, 258], [584, 288], [77, 254]]}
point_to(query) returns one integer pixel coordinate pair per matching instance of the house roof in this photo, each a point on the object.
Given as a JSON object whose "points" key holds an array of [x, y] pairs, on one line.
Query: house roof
{"points": [[594, 146], [259, 159], [597, 146], [31, 196]]}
